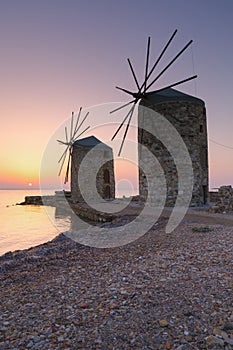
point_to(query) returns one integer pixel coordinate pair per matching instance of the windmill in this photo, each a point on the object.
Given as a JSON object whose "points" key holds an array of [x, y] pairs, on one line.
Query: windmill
{"points": [[73, 136], [143, 89]]}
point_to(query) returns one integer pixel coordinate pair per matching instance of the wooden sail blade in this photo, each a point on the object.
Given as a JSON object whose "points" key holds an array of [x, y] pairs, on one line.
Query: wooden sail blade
{"points": [[126, 130], [177, 83], [123, 106], [71, 125], [69, 143], [63, 158], [170, 63], [64, 153], [134, 75], [158, 60], [59, 174], [122, 123], [66, 134], [63, 143], [147, 63], [127, 91], [78, 128], [81, 133], [68, 168], [77, 121]]}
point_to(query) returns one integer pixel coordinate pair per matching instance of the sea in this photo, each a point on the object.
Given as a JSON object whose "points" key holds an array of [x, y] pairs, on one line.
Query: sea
{"points": [[22, 227], [25, 226]]}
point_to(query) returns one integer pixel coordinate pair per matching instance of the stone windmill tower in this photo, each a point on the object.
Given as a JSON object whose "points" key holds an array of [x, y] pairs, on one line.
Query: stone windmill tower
{"points": [[105, 182], [187, 114], [97, 173]]}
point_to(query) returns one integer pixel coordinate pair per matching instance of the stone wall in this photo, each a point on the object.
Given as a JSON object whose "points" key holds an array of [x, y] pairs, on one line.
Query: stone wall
{"points": [[189, 119], [104, 181], [64, 207], [222, 201]]}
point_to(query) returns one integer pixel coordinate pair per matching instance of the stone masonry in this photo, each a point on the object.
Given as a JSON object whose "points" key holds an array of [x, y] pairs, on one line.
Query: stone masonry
{"points": [[96, 174], [222, 201], [188, 115]]}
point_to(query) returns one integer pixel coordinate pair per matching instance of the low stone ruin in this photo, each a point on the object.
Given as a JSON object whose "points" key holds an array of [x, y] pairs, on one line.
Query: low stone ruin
{"points": [[222, 201]]}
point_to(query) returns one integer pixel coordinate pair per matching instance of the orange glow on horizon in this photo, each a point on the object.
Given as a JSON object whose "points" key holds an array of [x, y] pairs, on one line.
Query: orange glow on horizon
{"points": [[19, 179], [22, 153]]}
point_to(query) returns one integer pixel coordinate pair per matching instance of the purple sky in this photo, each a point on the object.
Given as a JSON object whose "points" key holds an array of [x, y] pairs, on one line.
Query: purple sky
{"points": [[58, 55]]}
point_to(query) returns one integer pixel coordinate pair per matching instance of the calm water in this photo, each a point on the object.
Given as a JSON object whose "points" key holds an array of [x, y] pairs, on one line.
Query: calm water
{"points": [[23, 226]]}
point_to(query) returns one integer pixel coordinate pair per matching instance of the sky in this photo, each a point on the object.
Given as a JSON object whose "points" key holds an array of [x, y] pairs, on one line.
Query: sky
{"points": [[58, 55]]}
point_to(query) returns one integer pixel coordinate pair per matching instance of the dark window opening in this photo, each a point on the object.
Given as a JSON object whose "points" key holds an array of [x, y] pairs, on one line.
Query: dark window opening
{"points": [[106, 176], [107, 192], [201, 128], [204, 157], [205, 194]]}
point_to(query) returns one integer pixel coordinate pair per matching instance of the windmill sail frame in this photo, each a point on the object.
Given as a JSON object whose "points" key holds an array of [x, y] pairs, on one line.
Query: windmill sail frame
{"points": [[143, 89], [73, 136]]}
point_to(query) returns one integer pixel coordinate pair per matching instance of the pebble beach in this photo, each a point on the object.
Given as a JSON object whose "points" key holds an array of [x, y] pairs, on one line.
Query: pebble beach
{"points": [[162, 291]]}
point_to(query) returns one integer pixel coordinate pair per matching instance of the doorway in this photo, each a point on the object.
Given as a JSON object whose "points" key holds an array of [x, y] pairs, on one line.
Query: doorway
{"points": [[205, 194], [106, 176], [107, 192]]}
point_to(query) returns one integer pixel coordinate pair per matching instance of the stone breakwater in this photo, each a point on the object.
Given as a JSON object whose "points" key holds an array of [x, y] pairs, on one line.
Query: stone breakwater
{"points": [[65, 207], [38, 200], [163, 291]]}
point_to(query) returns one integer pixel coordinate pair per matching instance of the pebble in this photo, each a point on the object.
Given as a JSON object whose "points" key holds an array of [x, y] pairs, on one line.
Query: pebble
{"points": [[219, 333], [163, 323], [30, 345], [228, 326], [212, 340]]}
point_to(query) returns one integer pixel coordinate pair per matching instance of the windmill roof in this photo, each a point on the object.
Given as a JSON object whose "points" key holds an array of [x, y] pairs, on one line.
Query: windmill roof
{"points": [[169, 95], [90, 141]]}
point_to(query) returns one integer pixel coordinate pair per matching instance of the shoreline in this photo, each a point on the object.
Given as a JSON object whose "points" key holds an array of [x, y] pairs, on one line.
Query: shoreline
{"points": [[167, 291], [193, 215], [161, 291]]}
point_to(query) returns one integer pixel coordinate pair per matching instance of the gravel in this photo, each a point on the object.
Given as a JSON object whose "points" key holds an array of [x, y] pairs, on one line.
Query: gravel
{"points": [[163, 291]]}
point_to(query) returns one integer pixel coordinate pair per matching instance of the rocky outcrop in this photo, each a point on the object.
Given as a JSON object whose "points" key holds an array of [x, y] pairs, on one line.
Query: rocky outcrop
{"points": [[38, 200]]}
